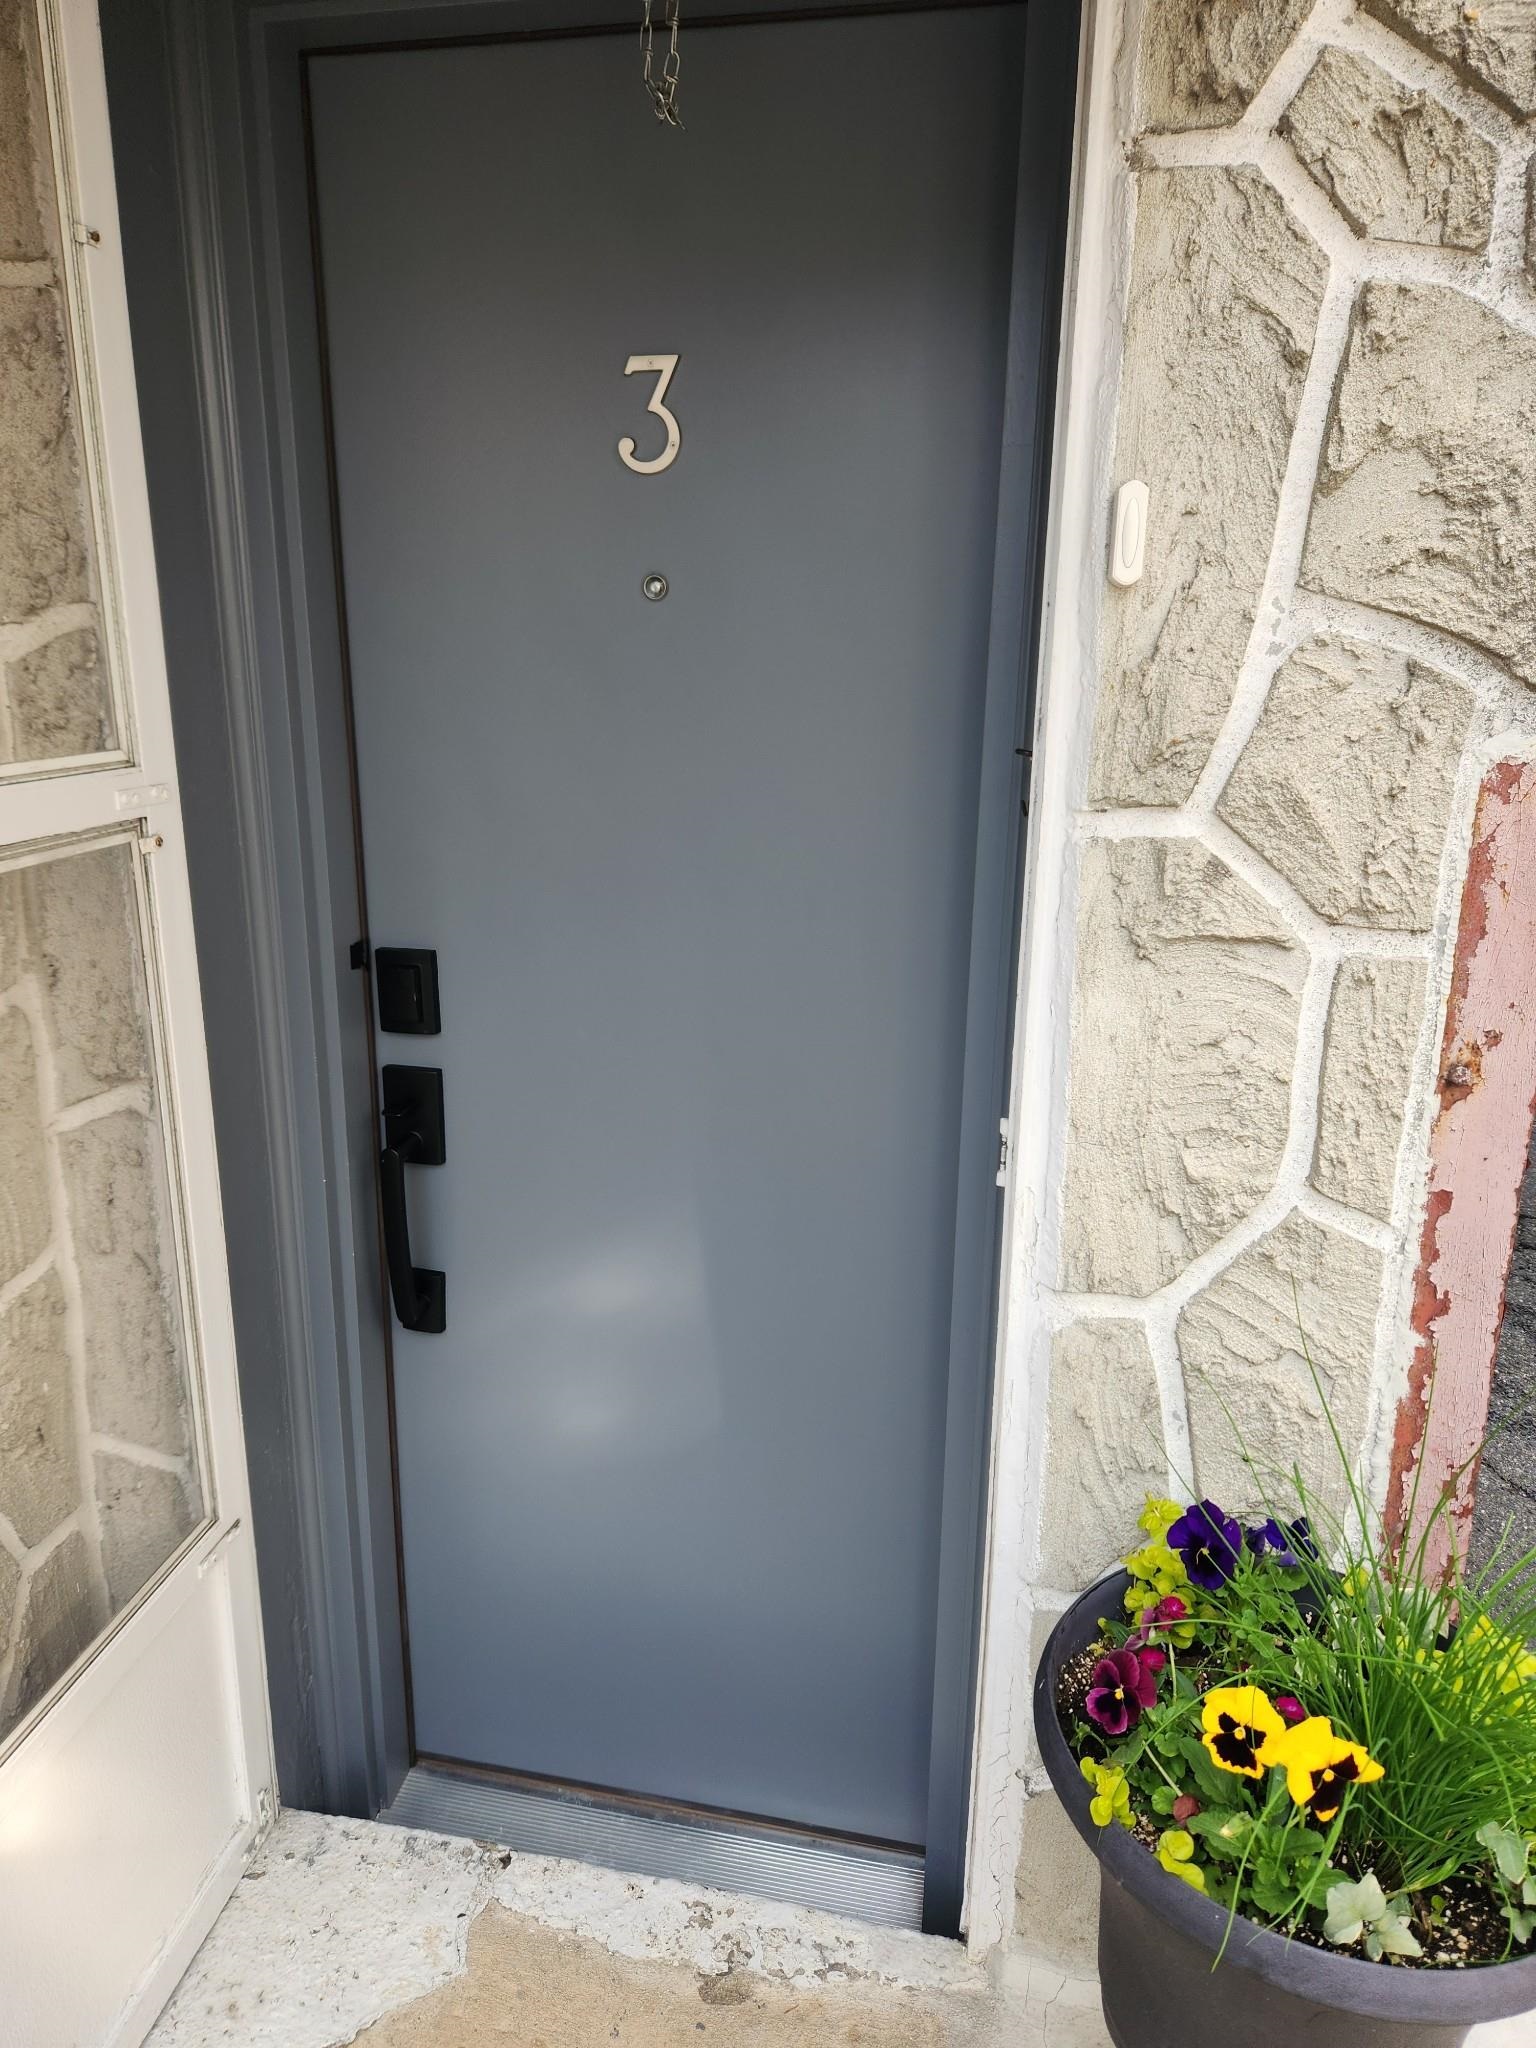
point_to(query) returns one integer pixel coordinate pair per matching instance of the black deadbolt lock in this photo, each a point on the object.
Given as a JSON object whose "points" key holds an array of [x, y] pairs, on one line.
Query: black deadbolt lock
{"points": [[406, 979]]}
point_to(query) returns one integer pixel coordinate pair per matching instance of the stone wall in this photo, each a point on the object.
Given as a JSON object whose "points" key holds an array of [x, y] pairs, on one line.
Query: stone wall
{"points": [[98, 1472], [1329, 386]]}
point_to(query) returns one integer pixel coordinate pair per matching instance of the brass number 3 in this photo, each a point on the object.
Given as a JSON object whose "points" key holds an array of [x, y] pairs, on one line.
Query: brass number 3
{"points": [[661, 367]]}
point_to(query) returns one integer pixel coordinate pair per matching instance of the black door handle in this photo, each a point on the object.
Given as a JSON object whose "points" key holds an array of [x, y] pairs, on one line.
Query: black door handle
{"points": [[413, 1129]]}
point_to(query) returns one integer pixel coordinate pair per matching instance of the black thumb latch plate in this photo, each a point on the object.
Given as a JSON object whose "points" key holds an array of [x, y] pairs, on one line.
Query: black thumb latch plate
{"points": [[413, 1114], [406, 979]]}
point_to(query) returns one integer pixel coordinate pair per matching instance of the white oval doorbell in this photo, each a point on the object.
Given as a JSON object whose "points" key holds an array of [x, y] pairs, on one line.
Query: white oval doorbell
{"points": [[1128, 546]]}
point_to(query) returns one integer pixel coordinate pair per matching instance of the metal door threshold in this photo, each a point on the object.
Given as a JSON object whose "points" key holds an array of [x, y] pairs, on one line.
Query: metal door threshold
{"points": [[883, 1885]]}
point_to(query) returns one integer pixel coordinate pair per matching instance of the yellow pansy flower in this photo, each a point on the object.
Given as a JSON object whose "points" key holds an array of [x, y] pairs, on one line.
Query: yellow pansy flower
{"points": [[1518, 1664], [1240, 1727], [1320, 1766], [1111, 1795], [1175, 1849], [1158, 1517]]}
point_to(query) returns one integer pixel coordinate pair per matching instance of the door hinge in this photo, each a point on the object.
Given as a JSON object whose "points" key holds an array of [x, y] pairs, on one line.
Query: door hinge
{"points": [[1003, 1141], [359, 954]]}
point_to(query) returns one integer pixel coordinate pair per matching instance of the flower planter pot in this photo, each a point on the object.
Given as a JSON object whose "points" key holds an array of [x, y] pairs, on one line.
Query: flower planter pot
{"points": [[1158, 1937]]}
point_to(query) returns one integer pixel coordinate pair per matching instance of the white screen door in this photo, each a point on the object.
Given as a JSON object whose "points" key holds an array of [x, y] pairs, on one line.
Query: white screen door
{"points": [[134, 1754]]}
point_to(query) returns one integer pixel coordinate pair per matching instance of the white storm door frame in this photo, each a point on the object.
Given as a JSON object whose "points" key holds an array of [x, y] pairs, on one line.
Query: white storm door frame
{"points": [[132, 1796]]}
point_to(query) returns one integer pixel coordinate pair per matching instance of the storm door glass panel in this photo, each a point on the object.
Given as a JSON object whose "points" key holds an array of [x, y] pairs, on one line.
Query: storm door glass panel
{"points": [[56, 696], [100, 1473]]}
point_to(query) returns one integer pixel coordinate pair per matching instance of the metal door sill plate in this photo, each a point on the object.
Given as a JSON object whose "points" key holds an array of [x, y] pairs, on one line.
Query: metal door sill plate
{"points": [[883, 1885]]}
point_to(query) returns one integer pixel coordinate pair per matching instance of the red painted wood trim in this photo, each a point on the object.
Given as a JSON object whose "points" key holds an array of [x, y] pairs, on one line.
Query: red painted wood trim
{"points": [[1477, 1155]]}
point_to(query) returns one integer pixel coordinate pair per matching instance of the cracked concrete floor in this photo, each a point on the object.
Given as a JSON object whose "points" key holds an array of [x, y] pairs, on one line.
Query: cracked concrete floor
{"points": [[342, 1930], [529, 1985]]}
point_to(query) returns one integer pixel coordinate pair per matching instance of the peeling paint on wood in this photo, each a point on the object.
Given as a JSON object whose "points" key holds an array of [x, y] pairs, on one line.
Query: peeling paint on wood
{"points": [[1482, 1129]]}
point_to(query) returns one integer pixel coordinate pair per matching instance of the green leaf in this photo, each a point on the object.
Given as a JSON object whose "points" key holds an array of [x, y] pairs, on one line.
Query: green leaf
{"points": [[1508, 1850], [1213, 1786], [1522, 1925], [1163, 1799], [1396, 1936], [1270, 1892], [1352, 1908], [1312, 1885], [1129, 1752], [1226, 1832]]}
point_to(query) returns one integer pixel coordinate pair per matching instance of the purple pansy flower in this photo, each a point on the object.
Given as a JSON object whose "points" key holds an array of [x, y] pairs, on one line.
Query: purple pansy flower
{"points": [[1209, 1542], [1285, 1542], [1121, 1687]]}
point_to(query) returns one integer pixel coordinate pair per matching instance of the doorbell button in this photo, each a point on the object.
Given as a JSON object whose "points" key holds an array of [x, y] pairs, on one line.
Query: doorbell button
{"points": [[1128, 547], [655, 588]]}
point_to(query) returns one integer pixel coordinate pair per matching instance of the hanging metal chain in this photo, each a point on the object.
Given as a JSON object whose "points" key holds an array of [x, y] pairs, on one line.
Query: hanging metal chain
{"points": [[663, 88]]}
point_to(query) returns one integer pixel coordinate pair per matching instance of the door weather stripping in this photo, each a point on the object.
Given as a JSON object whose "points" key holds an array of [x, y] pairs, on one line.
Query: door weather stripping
{"points": [[1004, 1135], [883, 1885]]}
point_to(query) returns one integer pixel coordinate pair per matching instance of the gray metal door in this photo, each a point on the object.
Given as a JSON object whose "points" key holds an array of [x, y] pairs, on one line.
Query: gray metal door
{"points": [[698, 870]]}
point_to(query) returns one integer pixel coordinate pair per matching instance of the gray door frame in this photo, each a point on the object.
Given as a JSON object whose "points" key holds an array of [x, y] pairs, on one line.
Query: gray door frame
{"points": [[208, 120]]}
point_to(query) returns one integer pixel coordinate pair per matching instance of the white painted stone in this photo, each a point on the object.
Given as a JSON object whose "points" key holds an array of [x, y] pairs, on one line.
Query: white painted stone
{"points": [[1056, 1895], [25, 1216], [1373, 1028], [1346, 784], [39, 1448], [43, 557], [135, 1361], [1202, 61], [1183, 1037], [1492, 43], [58, 699], [61, 1612], [22, 237], [334, 1923], [1426, 499], [1398, 164], [1106, 1450], [145, 1515], [10, 1581], [83, 922], [1302, 1288], [1224, 296]]}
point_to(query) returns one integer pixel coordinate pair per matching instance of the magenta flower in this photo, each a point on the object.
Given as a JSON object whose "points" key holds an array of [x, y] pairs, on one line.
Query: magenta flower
{"points": [[1286, 1703], [1163, 1616], [1120, 1689]]}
